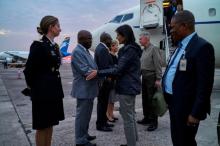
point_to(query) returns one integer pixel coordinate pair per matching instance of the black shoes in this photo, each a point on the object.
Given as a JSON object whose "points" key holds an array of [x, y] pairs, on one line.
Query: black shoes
{"points": [[152, 123], [104, 129], [152, 127], [90, 138], [109, 125], [112, 120], [115, 118], [87, 144], [123, 145], [144, 121]]}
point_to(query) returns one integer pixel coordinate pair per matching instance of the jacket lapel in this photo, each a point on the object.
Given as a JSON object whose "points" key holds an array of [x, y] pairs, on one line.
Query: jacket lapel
{"points": [[88, 56], [189, 47]]}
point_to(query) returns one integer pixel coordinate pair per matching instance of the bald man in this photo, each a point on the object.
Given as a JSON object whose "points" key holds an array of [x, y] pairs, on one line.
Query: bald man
{"points": [[188, 79], [83, 90]]}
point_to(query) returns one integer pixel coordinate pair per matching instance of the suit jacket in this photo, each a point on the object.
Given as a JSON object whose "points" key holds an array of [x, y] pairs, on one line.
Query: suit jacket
{"points": [[192, 88], [102, 57], [82, 63], [42, 71]]}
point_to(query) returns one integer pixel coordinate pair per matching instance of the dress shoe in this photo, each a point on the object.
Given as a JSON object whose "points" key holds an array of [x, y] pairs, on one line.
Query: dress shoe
{"points": [[104, 129], [111, 120], [115, 118], [123, 145], [152, 127], [109, 125], [144, 121], [90, 138], [87, 144]]}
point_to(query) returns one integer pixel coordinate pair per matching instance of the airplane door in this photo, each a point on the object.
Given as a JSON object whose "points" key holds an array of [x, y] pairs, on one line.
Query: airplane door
{"points": [[151, 12]]}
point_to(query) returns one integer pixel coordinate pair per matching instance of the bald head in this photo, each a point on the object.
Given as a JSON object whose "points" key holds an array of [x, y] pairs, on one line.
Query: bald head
{"points": [[85, 38], [185, 17]]}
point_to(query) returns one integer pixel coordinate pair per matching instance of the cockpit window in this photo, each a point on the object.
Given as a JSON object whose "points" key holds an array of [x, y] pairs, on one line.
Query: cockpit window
{"points": [[117, 19], [127, 17]]}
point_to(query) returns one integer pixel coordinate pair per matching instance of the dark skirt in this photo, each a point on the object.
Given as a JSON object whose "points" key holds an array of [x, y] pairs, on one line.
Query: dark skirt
{"points": [[112, 96], [46, 114]]}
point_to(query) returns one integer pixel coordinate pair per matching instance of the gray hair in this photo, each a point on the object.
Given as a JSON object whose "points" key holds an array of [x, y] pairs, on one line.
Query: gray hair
{"points": [[146, 34]]}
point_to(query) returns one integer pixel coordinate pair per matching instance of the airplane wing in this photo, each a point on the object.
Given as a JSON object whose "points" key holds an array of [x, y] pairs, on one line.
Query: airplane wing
{"points": [[18, 55]]}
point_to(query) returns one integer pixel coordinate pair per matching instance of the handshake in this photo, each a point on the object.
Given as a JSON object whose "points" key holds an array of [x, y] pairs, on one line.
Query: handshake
{"points": [[92, 74]]}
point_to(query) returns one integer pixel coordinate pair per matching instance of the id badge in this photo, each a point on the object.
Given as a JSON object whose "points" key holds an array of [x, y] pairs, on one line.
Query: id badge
{"points": [[183, 63]]}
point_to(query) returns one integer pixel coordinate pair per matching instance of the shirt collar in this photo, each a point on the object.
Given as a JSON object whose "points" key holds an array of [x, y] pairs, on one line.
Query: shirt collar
{"points": [[104, 45], [51, 41], [82, 47], [186, 40]]}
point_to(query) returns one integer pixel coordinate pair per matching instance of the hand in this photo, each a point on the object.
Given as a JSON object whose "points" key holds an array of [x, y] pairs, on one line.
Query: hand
{"points": [[92, 75], [158, 84], [192, 121]]}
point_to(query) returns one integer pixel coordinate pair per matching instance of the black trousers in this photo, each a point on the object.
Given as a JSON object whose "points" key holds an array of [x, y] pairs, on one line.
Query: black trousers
{"points": [[148, 90], [181, 133], [102, 105]]}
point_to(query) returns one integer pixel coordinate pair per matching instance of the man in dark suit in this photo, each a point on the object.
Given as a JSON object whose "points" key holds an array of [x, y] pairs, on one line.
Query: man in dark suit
{"points": [[188, 80], [104, 61]]}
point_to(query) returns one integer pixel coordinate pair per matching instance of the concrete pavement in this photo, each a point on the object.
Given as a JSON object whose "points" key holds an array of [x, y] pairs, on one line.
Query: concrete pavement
{"points": [[16, 119]]}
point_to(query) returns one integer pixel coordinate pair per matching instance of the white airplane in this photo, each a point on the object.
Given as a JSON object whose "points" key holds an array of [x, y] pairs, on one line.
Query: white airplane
{"points": [[148, 16], [19, 58], [14, 56]]}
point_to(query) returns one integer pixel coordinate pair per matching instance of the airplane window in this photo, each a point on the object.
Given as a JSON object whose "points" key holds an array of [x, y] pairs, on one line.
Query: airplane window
{"points": [[117, 19], [212, 11], [127, 17]]}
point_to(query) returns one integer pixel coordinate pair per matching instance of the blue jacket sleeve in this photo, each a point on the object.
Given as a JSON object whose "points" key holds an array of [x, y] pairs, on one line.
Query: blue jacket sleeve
{"points": [[80, 63], [123, 64]]}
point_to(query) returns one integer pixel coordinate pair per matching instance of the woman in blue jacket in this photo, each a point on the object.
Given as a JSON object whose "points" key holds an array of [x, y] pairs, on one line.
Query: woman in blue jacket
{"points": [[128, 83]]}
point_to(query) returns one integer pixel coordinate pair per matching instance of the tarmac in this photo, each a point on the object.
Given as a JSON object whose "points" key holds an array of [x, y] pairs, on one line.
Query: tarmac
{"points": [[16, 118]]}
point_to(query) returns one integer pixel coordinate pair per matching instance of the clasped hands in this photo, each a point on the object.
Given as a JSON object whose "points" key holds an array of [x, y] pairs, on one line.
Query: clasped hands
{"points": [[91, 75]]}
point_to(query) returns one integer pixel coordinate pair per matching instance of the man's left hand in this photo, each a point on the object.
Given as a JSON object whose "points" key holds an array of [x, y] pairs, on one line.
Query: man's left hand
{"points": [[192, 121], [158, 84]]}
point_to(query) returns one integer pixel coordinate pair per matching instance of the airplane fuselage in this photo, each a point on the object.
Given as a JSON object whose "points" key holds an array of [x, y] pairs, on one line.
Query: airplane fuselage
{"points": [[207, 15]]}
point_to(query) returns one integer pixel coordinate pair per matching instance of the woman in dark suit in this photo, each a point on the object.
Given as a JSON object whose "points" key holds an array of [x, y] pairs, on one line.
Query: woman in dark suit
{"points": [[43, 78]]}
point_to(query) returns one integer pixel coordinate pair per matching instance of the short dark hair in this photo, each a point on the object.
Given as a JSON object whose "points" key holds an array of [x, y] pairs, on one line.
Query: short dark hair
{"points": [[127, 32], [185, 17], [105, 36]]}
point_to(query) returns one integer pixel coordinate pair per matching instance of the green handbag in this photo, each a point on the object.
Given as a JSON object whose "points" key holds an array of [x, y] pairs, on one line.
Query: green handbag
{"points": [[159, 103]]}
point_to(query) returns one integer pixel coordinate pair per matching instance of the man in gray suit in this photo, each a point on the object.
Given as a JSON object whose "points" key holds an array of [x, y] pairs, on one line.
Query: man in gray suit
{"points": [[83, 90]]}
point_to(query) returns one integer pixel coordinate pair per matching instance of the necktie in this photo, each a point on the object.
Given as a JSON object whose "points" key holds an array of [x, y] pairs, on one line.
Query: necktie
{"points": [[173, 58], [176, 53]]}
